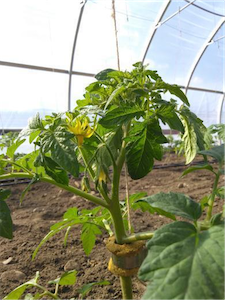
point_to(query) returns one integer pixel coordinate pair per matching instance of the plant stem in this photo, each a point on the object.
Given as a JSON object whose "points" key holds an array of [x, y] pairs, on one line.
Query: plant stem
{"points": [[69, 188], [92, 174], [117, 218], [46, 292], [126, 285], [137, 237], [128, 201], [212, 198]]}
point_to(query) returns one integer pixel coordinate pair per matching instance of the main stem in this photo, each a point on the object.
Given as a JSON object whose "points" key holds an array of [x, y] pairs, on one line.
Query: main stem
{"points": [[212, 198], [114, 207]]}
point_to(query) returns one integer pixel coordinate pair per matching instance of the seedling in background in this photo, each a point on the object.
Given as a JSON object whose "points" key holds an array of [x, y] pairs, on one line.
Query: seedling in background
{"points": [[68, 278], [117, 125]]}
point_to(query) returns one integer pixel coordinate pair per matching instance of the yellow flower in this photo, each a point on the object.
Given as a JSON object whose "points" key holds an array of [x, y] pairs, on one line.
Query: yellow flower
{"points": [[81, 129], [102, 176]]}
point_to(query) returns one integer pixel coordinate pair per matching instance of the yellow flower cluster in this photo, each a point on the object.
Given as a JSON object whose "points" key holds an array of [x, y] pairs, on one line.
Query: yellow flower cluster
{"points": [[80, 128]]}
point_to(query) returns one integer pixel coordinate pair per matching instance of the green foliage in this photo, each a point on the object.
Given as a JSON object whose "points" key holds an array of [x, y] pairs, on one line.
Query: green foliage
{"points": [[196, 168], [5, 217], [172, 203], [88, 287], [215, 133], [12, 148], [193, 137], [17, 293], [88, 236], [121, 115], [8, 139], [216, 152], [67, 278], [184, 264], [91, 221]]}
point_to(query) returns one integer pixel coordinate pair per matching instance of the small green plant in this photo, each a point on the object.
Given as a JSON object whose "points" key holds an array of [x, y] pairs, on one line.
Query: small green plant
{"points": [[68, 278], [214, 135], [117, 127]]}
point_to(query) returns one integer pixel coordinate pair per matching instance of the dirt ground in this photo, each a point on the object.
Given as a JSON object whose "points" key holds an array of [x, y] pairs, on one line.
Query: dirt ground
{"points": [[44, 205]]}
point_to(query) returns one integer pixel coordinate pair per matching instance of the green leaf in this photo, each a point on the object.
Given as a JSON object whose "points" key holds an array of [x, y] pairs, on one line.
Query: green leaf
{"points": [[217, 219], [65, 224], [196, 168], [120, 115], [18, 292], [103, 74], [184, 264], [141, 152], [62, 150], [137, 196], [12, 149], [35, 123], [88, 236], [34, 127], [216, 152], [27, 188], [33, 135], [204, 201], [173, 89], [175, 203], [5, 216], [4, 194], [190, 141], [68, 278], [155, 132], [220, 192], [115, 94], [86, 288], [194, 133], [167, 114], [55, 171], [28, 162], [145, 206], [71, 214]]}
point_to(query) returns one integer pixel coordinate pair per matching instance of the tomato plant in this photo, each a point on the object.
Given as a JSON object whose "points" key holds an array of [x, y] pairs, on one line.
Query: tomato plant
{"points": [[117, 126], [67, 278]]}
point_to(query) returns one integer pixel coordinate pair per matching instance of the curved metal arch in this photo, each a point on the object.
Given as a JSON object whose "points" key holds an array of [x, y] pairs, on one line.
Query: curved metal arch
{"points": [[155, 26], [82, 3], [202, 51], [207, 10], [159, 23], [221, 109]]}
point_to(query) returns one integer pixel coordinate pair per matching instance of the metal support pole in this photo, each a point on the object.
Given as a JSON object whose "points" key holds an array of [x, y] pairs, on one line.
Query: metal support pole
{"points": [[73, 51]]}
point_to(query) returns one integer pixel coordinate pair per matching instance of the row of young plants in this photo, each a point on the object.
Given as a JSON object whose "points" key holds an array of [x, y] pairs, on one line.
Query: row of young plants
{"points": [[213, 135], [117, 126]]}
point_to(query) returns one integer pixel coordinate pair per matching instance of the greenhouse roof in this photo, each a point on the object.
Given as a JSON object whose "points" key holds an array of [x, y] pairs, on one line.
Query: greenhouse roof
{"points": [[50, 50]]}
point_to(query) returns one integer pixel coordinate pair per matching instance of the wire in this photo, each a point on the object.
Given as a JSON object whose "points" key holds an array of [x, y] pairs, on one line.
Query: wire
{"points": [[150, 20], [125, 13]]}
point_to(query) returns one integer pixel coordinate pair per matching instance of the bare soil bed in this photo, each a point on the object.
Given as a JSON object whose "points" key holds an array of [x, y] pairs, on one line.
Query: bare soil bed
{"points": [[44, 205]]}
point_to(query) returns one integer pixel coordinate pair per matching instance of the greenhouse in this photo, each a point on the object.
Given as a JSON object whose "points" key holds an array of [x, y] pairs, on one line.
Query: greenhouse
{"points": [[112, 149]]}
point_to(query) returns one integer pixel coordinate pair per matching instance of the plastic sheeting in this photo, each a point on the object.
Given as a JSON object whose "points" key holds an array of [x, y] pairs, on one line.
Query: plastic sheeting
{"points": [[37, 38]]}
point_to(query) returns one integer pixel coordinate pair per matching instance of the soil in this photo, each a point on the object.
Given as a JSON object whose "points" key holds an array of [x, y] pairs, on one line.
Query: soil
{"points": [[44, 205]]}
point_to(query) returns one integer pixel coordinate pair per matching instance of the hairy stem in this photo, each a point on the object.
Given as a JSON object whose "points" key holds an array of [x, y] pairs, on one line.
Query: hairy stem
{"points": [[46, 292], [212, 198], [137, 237], [126, 285], [92, 198], [128, 201]]}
